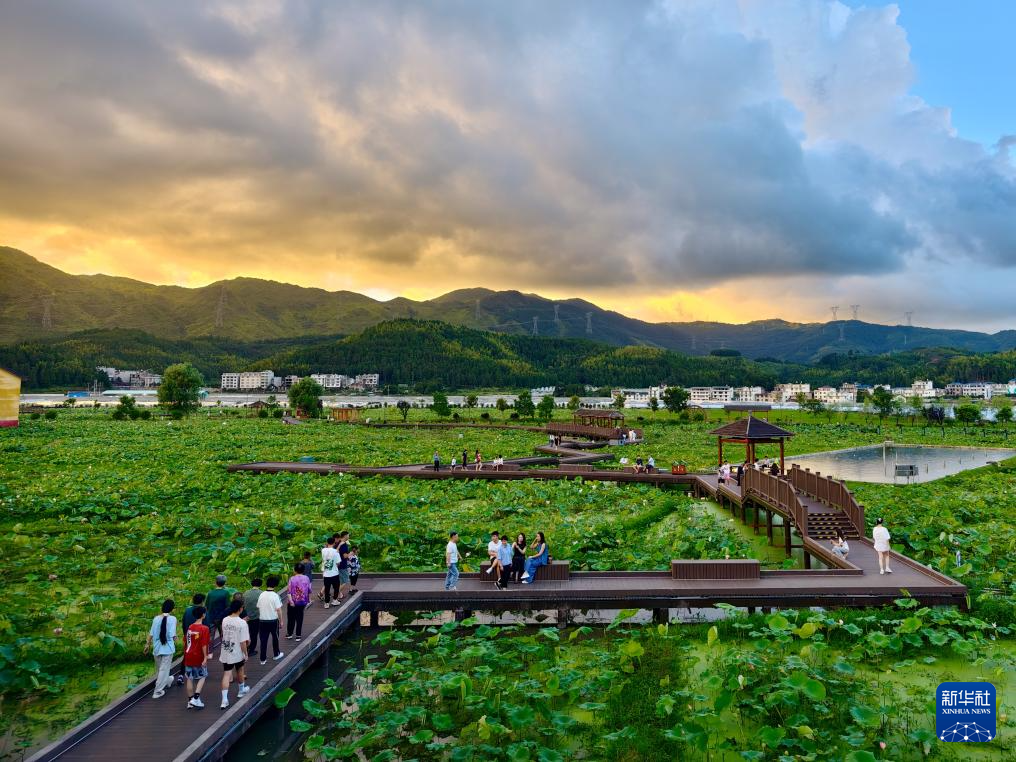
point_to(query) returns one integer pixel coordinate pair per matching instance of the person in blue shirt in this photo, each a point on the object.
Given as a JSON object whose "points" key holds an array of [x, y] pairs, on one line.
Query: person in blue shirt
{"points": [[504, 555], [538, 557], [162, 643]]}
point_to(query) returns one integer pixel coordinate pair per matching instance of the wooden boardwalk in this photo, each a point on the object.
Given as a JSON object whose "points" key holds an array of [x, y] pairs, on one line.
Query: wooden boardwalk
{"points": [[137, 727]]}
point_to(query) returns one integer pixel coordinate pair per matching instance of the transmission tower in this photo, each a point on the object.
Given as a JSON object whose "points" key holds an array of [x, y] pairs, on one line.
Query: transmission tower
{"points": [[557, 317], [536, 324], [476, 314], [841, 332], [834, 310], [220, 309], [47, 311], [589, 323], [694, 343], [853, 310], [910, 317]]}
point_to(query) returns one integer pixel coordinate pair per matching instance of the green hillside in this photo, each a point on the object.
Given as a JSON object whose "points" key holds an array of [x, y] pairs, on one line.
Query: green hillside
{"points": [[430, 355], [38, 301]]}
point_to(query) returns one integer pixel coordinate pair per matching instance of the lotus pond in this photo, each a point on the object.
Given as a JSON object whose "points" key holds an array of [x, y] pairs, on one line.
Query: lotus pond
{"points": [[103, 519]]}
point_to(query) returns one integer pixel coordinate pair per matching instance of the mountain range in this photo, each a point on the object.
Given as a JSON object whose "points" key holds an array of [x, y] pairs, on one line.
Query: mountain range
{"points": [[38, 301]]}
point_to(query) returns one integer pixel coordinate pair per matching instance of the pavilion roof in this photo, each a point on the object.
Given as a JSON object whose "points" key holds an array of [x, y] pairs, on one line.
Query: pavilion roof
{"points": [[751, 428]]}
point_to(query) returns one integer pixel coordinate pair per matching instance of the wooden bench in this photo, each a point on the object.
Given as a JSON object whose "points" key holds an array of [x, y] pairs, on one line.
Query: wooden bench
{"points": [[734, 568], [557, 571]]}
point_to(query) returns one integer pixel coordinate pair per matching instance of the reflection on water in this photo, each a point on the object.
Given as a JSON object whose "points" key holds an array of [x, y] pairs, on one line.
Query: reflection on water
{"points": [[879, 463]]}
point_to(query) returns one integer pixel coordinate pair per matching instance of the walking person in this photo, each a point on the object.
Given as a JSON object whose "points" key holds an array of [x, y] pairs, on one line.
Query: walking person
{"points": [[504, 557], [250, 609], [188, 613], [329, 571], [740, 473], [343, 550], [162, 643], [437, 461], [518, 557], [233, 655], [354, 568], [308, 569], [197, 641], [297, 602], [538, 557], [880, 536], [452, 562], [493, 555], [269, 613], [465, 460], [217, 603]]}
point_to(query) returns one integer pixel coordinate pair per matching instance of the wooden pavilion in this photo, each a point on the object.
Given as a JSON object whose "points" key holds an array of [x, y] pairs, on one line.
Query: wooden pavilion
{"points": [[751, 431], [344, 414], [603, 419]]}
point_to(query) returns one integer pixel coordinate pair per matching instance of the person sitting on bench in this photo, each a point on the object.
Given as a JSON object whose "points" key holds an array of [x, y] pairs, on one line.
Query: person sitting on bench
{"points": [[639, 467], [539, 556], [651, 465]]}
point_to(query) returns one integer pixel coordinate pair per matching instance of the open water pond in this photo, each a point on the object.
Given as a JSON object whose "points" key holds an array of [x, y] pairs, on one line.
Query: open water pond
{"points": [[881, 464]]}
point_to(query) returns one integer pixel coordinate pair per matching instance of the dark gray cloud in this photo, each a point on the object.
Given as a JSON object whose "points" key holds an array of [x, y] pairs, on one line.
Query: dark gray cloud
{"points": [[547, 145]]}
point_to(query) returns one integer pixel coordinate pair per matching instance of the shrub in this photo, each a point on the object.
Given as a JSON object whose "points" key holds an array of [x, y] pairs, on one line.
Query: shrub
{"points": [[35, 416], [176, 414], [118, 415], [262, 413], [485, 416], [514, 416], [278, 413], [50, 415], [145, 415]]}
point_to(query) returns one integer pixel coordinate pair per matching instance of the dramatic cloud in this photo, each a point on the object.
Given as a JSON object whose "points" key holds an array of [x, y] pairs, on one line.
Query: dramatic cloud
{"points": [[660, 149]]}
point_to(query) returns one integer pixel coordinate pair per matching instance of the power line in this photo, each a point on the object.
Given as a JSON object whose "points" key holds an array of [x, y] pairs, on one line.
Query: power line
{"points": [[589, 323], [220, 309], [47, 310], [536, 325]]}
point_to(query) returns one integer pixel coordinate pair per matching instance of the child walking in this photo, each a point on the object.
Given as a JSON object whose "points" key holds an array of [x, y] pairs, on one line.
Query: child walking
{"points": [[195, 657]]}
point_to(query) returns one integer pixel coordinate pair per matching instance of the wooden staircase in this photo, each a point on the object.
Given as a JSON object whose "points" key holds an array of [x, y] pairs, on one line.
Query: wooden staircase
{"points": [[824, 525]]}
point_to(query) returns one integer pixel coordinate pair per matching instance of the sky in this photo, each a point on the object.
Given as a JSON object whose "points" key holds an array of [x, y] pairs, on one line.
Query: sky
{"points": [[674, 160]]}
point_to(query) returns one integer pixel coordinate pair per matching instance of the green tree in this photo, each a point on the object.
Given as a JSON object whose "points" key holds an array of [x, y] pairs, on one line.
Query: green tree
{"points": [[618, 401], [814, 406], [675, 398], [654, 405], [128, 408], [884, 402], [272, 402], [501, 405], [472, 401], [305, 396], [801, 399], [1003, 412], [916, 404], [968, 413], [524, 404], [403, 406], [180, 388], [574, 403], [545, 409], [440, 405]]}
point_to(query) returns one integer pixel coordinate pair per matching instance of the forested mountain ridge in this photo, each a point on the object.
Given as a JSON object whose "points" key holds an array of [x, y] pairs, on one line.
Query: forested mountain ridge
{"points": [[41, 302], [429, 355]]}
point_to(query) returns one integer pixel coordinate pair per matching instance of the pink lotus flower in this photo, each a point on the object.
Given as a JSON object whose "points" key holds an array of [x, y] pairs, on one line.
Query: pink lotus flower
{"points": [[58, 630], [52, 577], [881, 744]]}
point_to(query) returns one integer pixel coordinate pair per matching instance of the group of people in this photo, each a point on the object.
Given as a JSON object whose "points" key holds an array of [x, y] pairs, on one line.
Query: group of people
{"points": [[515, 561], [477, 461], [727, 472], [640, 466], [245, 622]]}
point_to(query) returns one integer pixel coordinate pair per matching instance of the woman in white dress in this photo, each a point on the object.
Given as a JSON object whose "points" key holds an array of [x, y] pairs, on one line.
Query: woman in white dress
{"points": [[880, 535]]}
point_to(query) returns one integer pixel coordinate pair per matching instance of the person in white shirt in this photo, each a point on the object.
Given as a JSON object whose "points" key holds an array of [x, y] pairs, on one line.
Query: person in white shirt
{"points": [[493, 551], [452, 562], [269, 613], [840, 546], [651, 464], [330, 572], [235, 644], [880, 536]]}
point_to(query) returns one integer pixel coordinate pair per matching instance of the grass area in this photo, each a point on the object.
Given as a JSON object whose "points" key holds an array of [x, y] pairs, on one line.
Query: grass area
{"points": [[123, 514]]}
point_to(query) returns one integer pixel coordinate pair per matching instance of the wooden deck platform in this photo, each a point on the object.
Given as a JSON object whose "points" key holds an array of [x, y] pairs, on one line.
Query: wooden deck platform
{"points": [[137, 727]]}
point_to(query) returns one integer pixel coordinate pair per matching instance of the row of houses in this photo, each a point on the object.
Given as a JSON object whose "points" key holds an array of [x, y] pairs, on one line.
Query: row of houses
{"points": [[264, 380], [845, 394], [133, 379]]}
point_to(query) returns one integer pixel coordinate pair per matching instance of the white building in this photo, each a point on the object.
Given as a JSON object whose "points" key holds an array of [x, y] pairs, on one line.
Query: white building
{"points": [[230, 381], [748, 393], [331, 380], [119, 377], [289, 381], [148, 379], [541, 391], [977, 390], [633, 398], [699, 394], [256, 379], [923, 389], [787, 392], [369, 380]]}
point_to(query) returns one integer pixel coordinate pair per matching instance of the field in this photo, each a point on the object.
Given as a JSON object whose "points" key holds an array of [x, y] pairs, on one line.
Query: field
{"points": [[102, 519]]}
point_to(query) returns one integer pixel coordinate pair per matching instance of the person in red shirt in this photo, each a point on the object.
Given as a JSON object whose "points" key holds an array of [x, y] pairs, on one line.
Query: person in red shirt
{"points": [[195, 658]]}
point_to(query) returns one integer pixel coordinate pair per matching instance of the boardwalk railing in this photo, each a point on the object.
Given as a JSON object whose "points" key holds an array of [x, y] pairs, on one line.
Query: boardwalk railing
{"points": [[832, 492], [578, 430], [778, 492]]}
